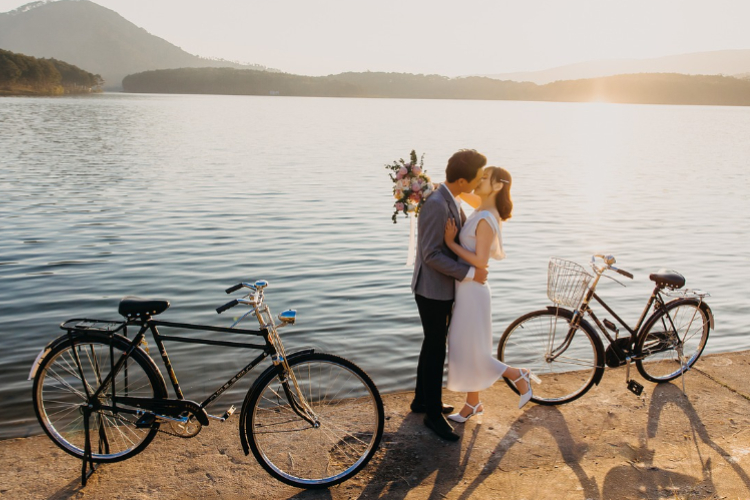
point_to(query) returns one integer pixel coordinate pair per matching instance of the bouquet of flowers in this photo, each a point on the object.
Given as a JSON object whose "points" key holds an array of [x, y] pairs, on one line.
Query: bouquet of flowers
{"points": [[411, 185]]}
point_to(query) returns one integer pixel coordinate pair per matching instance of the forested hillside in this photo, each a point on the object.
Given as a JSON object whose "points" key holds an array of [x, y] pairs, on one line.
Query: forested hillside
{"points": [[21, 74], [646, 88]]}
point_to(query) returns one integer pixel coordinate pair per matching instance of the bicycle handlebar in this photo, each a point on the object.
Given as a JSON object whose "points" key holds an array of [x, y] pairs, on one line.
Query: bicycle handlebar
{"points": [[234, 288], [226, 306], [624, 273], [608, 261]]}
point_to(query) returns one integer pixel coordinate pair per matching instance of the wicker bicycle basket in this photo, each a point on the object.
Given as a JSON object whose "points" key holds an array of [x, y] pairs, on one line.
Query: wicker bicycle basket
{"points": [[567, 282]]}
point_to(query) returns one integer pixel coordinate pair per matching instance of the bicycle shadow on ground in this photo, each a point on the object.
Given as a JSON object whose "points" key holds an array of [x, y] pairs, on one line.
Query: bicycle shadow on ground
{"points": [[313, 494], [550, 418], [70, 490], [641, 478], [402, 468]]}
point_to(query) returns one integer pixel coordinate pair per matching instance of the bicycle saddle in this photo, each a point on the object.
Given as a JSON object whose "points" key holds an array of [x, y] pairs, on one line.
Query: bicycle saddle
{"points": [[665, 277], [132, 307]]}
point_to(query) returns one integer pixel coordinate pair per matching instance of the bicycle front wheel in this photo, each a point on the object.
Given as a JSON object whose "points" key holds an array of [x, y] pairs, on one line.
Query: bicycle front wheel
{"points": [[532, 341], [62, 388], [346, 428], [672, 340]]}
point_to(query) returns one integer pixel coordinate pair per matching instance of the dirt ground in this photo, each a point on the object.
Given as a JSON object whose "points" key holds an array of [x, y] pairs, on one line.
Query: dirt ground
{"points": [[610, 444]]}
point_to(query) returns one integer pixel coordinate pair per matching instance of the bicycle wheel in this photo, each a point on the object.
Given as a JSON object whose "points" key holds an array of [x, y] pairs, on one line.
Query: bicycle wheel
{"points": [[349, 422], [60, 393], [528, 342], [672, 340]]}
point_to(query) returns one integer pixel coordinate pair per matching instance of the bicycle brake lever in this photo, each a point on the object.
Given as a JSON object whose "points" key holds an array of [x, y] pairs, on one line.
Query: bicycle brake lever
{"points": [[616, 281]]}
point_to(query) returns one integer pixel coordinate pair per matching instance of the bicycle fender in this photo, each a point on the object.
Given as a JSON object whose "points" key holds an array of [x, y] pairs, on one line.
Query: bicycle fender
{"points": [[59, 340], [245, 403], [709, 313], [598, 345], [46, 350], [702, 305]]}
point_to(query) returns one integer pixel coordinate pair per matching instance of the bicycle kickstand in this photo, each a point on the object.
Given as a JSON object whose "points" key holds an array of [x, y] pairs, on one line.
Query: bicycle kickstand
{"points": [[87, 467], [684, 370], [633, 386]]}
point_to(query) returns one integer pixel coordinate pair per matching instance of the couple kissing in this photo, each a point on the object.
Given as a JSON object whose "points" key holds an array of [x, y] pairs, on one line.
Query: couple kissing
{"points": [[452, 294]]}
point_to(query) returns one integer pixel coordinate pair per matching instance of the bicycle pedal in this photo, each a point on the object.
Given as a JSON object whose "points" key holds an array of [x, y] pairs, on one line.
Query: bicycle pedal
{"points": [[229, 413], [635, 387], [146, 420]]}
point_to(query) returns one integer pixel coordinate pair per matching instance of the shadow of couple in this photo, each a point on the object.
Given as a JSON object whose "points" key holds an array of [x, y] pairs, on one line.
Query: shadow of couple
{"points": [[401, 470]]}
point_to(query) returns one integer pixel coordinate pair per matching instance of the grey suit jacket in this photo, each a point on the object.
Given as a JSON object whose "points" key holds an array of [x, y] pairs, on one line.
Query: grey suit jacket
{"points": [[436, 267]]}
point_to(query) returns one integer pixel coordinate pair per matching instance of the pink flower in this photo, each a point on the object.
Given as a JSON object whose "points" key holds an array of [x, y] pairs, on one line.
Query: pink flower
{"points": [[400, 207], [416, 186], [416, 170], [401, 173]]}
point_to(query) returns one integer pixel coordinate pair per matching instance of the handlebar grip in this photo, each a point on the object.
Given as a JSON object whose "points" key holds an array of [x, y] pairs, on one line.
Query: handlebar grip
{"points": [[234, 288], [625, 273], [226, 306]]}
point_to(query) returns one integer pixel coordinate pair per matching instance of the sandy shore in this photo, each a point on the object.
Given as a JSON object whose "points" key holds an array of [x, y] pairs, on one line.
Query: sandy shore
{"points": [[610, 444]]}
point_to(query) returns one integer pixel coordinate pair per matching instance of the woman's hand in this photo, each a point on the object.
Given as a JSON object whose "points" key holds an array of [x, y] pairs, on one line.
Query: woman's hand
{"points": [[451, 230]]}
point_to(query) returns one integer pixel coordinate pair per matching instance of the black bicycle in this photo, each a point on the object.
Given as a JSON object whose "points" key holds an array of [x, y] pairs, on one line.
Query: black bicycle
{"points": [[562, 347], [312, 420]]}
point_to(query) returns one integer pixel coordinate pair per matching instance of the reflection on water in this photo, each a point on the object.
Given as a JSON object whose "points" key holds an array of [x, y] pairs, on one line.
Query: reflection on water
{"points": [[181, 196]]}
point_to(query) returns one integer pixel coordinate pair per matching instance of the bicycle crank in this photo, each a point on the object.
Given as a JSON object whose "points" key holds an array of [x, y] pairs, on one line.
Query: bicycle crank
{"points": [[188, 429]]}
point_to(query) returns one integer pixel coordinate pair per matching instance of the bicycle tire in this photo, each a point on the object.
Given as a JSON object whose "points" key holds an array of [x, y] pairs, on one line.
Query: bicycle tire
{"points": [[348, 408], [524, 345], [59, 393], [657, 346]]}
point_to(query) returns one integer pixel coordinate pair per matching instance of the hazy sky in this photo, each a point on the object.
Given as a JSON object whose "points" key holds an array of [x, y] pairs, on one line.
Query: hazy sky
{"points": [[452, 38]]}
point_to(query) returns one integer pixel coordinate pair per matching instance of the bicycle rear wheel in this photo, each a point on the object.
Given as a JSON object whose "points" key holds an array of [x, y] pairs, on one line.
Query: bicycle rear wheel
{"points": [[348, 414], [672, 340], [60, 393], [528, 342]]}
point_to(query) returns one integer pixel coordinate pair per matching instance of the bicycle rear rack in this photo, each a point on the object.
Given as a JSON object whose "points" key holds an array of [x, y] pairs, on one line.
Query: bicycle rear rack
{"points": [[93, 325]]}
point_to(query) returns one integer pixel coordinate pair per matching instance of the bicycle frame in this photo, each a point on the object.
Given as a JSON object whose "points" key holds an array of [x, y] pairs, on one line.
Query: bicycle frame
{"points": [[268, 348], [585, 309]]}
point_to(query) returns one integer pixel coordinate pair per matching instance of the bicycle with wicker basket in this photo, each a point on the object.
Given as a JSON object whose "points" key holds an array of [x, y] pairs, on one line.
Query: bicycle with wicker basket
{"points": [[563, 347]]}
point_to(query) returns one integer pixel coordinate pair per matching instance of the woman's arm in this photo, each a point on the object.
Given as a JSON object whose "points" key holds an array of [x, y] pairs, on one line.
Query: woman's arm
{"points": [[485, 234]]}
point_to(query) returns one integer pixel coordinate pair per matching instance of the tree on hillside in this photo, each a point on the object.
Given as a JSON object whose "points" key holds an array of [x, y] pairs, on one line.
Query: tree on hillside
{"points": [[43, 74]]}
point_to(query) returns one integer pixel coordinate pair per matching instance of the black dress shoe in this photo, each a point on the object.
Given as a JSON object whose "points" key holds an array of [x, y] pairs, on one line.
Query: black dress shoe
{"points": [[420, 408], [441, 427]]}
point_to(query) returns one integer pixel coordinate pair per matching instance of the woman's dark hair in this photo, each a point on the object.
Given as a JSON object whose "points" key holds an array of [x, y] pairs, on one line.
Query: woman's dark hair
{"points": [[503, 201], [464, 165]]}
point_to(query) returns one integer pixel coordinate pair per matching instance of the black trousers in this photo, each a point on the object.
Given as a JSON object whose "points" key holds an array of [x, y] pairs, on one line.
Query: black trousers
{"points": [[435, 316]]}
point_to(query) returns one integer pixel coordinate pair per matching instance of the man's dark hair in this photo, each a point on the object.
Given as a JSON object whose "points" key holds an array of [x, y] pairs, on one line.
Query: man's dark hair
{"points": [[464, 165]]}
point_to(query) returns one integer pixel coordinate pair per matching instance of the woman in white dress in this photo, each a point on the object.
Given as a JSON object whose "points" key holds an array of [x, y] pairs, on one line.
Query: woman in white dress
{"points": [[471, 365]]}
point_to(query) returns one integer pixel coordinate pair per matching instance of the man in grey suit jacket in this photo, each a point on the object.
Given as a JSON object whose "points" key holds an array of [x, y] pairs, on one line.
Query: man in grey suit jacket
{"points": [[435, 271]]}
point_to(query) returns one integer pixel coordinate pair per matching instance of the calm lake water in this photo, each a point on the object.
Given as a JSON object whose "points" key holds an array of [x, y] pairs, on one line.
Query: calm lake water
{"points": [[181, 196]]}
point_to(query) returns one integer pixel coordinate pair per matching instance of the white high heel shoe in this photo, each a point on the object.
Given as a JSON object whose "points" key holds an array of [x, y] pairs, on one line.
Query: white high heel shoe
{"points": [[456, 417], [528, 376]]}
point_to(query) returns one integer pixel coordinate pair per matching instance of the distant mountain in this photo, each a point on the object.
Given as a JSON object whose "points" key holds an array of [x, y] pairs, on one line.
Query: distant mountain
{"points": [[95, 38], [654, 88], [720, 62]]}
